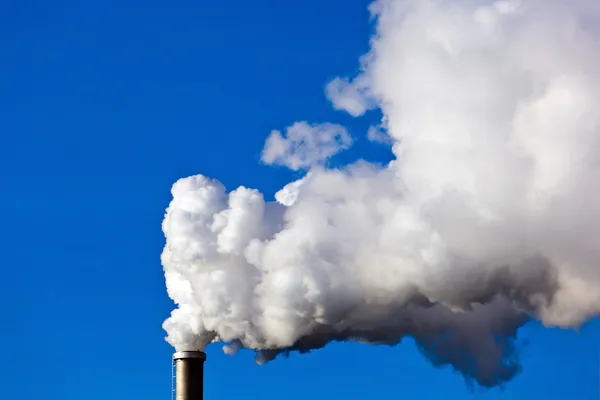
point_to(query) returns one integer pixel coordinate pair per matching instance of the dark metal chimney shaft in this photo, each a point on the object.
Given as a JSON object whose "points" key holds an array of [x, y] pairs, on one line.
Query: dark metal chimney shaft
{"points": [[189, 375]]}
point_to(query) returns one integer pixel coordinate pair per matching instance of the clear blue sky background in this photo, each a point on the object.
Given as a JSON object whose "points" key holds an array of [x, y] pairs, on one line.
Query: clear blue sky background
{"points": [[103, 105]]}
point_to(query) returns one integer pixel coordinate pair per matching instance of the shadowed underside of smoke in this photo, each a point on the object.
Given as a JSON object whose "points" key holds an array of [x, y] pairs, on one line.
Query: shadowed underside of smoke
{"points": [[480, 349], [479, 342]]}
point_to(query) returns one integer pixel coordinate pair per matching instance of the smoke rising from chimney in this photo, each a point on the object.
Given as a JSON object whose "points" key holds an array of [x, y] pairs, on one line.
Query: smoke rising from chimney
{"points": [[486, 218]]}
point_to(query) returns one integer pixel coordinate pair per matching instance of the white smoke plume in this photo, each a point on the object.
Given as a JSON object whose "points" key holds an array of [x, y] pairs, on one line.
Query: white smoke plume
{"points": [[488, 216]]}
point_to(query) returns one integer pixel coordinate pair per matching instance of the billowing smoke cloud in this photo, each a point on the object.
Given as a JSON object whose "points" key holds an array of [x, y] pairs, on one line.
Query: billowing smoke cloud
{"points": [[487, 217]]}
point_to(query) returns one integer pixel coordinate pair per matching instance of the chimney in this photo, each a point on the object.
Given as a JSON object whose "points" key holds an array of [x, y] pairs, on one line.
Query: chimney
{"points": [[189, 375]]}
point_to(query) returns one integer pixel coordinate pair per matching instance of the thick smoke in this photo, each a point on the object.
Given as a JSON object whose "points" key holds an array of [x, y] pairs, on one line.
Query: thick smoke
{"points": [[486, 218]]}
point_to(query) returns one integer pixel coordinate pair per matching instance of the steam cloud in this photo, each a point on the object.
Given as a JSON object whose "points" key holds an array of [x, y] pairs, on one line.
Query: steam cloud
{"points": [[305, 145], [486, 218]]}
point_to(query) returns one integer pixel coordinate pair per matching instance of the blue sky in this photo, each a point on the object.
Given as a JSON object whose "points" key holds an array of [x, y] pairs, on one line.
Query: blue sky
{"points": [[104, 104]]}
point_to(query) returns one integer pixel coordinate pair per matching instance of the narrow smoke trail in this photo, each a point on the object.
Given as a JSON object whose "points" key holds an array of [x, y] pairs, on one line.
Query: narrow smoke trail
{"points": [[486, 218]]}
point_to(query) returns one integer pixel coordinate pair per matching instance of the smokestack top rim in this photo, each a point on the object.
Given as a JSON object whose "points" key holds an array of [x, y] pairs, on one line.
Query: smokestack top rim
{"points": [[180, 355]]}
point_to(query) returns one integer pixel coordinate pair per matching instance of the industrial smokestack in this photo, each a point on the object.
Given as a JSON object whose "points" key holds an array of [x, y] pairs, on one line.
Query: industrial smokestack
{"points": [[189, 375]]}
